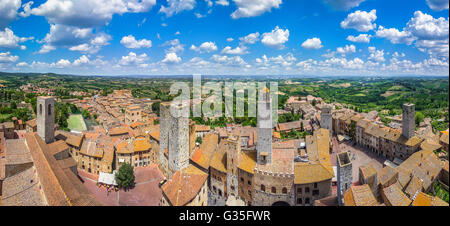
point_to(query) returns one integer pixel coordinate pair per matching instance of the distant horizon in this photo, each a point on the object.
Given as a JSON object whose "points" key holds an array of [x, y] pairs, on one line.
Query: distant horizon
{"points": [[274, 76]]}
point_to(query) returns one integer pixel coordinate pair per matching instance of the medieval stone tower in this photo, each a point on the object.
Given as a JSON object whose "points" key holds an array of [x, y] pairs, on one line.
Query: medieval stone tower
{"points": [[233, 159], [177, 138], [408, 120], [326, 120], [164, 119], [344, 174], [265, 125], [46, 118]]}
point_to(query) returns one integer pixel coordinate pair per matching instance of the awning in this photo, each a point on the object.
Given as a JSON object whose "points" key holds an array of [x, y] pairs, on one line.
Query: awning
{"points": [[107, 178]]}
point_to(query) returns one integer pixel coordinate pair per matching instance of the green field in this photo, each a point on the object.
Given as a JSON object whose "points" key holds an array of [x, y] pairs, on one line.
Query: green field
{"points": [[76, 122]]}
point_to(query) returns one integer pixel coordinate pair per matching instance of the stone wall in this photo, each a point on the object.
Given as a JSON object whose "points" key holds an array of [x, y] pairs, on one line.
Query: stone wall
{"points": [[283, 185]]}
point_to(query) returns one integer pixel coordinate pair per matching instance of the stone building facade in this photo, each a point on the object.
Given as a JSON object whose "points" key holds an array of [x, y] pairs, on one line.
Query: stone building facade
{"points": [[133, 114]]}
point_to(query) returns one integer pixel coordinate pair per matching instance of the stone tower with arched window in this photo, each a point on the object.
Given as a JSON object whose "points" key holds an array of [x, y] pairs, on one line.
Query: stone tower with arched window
{"points": [[46, 118]]}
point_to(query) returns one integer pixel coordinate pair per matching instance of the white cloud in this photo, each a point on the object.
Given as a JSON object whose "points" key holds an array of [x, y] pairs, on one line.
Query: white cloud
{"points": [[240, 50], [6, 57], [8, 11], [9, 40], [88, 13], [74, 38], [26, 9], [394, 35], [276, 38], [424, 26], [205, 47], [312, 43], [235, 61], [438, 4], [360, 20], [62, 63], [376, 55], [398, 55], [133, 59], [362, 38], [343, 4], [252, 8], [174, 46], [171, 58], [222, 2], [176, 6], [230, 39], [343, 51], [250, 39], [272, 62], [130, 42], [346, 49], [22, 64], [83, 60]]}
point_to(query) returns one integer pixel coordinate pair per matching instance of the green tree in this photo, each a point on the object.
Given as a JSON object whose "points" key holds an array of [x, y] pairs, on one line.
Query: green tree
{"points": [[198, 140], [125, 176], [419, 117]]}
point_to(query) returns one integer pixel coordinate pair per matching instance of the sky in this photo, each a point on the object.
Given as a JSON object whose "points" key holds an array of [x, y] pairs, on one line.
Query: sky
{"points": [[225, 37]]}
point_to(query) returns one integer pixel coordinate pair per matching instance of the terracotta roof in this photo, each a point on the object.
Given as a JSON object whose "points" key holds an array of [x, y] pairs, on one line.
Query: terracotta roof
{"points": [[141, 144], [319, 167], [368, 171], [248, 162], [124, 148], [395, 196], [287, 126], [184, 185], [155, 134], [58, 146], [22, 189], [17, 152], [219, 159], [423, 164], [386, 175], [359, 196], [89, 148], [136, 124], [430, 145], [119, 131], [202, 155], [32, 123], [444, 138], [61, 186], [202, 128], [70, 138]]}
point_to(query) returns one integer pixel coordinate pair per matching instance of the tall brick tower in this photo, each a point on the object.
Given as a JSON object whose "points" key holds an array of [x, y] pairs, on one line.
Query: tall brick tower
{"points": [[178, 139], [344, 174], [233, 159], [408, 120], [264, 143], [164, 119], [46, 118], [326, 120]]}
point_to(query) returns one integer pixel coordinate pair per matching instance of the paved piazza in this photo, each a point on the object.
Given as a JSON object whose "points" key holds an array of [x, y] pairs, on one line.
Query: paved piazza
{"points": [[360, 157], [145, 193]]}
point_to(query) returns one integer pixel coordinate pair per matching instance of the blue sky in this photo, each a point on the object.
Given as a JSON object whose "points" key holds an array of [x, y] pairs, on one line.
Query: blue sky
{"points": [[254, 37]]}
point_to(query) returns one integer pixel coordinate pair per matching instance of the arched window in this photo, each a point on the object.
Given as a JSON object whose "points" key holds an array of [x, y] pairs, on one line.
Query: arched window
{"points": [[274, 190], [40, 109], [263, 188], [284, 190], [49, 109]]}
